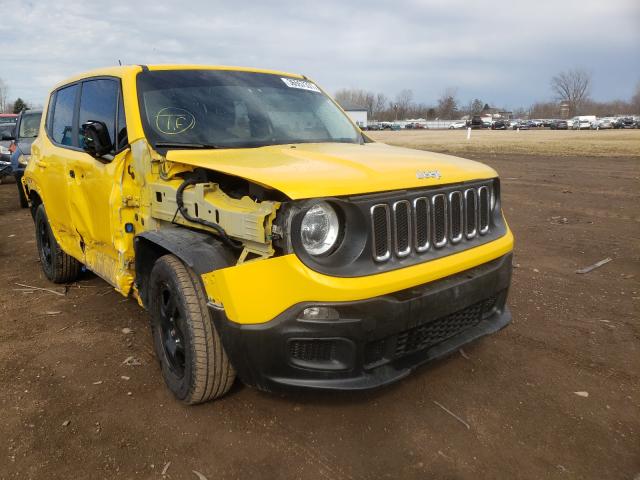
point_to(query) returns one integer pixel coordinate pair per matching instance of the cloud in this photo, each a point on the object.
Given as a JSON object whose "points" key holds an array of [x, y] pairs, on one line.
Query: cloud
{"points": [[503, 52]]}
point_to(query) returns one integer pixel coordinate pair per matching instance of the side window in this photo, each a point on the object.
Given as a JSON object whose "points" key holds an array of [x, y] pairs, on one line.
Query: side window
{"points": [[121, 129], [98, 102], [62, 123], [52, 100]]}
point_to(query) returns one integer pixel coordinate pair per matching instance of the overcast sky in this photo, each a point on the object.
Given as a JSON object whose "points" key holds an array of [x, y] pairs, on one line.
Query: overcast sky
{"points": [[503, 52]]}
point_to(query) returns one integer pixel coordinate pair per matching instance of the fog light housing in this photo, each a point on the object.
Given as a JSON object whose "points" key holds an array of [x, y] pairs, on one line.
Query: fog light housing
{"points": [[319, 313]]}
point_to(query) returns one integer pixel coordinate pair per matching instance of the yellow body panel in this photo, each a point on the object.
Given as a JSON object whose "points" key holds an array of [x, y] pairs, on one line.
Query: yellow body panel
{"points": [[88, 213], [334, 169], [257, 292]]}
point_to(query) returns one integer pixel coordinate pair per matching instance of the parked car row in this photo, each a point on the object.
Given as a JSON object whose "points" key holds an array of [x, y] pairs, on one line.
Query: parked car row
{"points": [[584, 122], [416, 126], [16, 138], [7, 125], [390, 126], [613, 122]]}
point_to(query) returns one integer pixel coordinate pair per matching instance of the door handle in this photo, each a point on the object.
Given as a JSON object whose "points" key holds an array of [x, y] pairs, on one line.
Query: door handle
{"points": [[41, 164], [72, 174]]}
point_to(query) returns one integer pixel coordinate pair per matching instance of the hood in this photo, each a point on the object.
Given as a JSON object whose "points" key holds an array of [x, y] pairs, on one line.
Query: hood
{"points": [[311, 170]]}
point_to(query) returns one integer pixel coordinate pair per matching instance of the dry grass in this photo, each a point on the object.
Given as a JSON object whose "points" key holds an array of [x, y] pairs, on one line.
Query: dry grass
{"points": [[605, 143]]}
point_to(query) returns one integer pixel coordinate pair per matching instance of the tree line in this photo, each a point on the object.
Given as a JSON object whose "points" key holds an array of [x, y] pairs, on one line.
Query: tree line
{"points": [[571, 91], [7, 106]]}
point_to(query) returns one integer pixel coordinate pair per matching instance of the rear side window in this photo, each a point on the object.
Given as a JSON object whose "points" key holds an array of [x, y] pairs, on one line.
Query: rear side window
{"points": [[62, 123], [98, 102], [52, 100]]}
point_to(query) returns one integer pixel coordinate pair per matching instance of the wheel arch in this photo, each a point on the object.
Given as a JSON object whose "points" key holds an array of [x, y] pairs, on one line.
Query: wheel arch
{"points": [[200, 251], [34, 202]]}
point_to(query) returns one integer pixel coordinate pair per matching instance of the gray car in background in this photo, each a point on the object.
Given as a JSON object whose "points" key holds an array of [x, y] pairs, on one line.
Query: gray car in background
{"points": [[26, 131]]}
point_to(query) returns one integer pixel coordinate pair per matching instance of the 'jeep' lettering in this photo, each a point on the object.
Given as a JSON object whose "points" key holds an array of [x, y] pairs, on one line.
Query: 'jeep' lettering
{"points": [[420, 175]]}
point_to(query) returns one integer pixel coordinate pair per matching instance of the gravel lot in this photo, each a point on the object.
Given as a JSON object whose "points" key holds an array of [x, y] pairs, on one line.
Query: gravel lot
{"points": [[72, 407]]}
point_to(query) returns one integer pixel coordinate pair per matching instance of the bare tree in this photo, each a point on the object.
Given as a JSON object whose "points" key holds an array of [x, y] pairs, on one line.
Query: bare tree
{"points": [[4, 91], [448, 105], [635, 100], [356, 97], [572, 87], [473, 107], [379, 106], [402, 103], [544, 110]]}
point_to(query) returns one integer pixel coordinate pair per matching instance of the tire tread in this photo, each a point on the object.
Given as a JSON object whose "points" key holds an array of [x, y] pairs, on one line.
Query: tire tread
{"points": [[64, 268], [212, 375]]}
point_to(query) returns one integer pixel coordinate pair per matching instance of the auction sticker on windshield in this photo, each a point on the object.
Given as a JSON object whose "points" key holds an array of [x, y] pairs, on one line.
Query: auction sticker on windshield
{"points": [[301, 84]]}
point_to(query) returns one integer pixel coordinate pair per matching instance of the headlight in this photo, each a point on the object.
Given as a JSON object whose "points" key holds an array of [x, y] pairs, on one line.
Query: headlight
{"points": [[4, 150], [319, 229], [24, 159]]}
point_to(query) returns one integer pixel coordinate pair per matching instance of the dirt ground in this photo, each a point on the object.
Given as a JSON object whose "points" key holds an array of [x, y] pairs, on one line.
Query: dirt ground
{"points": [[71, 407]]}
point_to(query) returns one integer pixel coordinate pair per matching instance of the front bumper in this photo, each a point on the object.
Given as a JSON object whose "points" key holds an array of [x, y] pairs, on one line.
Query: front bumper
{"points": [[375, 341]]}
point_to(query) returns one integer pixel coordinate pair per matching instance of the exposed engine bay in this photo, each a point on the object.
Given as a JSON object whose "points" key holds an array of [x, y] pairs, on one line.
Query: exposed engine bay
{"points": [[239, 212]]}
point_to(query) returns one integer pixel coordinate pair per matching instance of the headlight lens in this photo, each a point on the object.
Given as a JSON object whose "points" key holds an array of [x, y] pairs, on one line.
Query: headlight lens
{"points": [[23, 160], [320, 229], [4, 150]]}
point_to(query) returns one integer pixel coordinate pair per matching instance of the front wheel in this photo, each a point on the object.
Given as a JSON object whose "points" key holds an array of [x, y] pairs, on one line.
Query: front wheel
{"points": [[56, 265], [194, 364]]}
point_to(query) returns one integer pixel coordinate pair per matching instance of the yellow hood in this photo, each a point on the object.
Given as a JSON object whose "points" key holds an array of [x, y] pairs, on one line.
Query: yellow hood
{"points": [[312, 170]]}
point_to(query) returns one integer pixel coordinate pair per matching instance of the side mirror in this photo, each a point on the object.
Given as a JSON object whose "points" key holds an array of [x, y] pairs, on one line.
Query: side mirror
{"points": [[97, 141]]}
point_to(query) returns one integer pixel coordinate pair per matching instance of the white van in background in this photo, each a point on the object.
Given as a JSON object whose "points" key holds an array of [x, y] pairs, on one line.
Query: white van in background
{"points": [[582, 122]]}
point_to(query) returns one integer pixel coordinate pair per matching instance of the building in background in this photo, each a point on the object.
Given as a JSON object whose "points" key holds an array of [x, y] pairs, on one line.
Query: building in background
{"points": [[495, 113], [357, 113]]}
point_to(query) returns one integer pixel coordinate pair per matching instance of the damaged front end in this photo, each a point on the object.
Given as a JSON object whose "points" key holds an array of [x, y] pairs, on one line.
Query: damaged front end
{"points": [[197, 200]]}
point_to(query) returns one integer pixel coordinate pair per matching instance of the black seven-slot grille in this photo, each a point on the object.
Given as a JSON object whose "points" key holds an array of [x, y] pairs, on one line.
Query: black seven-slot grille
{"points": [[430, 221]]}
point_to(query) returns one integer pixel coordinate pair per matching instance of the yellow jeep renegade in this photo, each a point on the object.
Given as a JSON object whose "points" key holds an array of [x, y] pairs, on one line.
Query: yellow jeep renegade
{"points": [[267, 236]]}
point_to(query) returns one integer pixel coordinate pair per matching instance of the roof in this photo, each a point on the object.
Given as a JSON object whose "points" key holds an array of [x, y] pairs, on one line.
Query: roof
{"points": [[125, 70], [352, 107]]}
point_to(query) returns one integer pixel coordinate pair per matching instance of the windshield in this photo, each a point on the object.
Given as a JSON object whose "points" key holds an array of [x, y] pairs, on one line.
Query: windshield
{"points": [[29, 125], [6, 130], [230, 109]]}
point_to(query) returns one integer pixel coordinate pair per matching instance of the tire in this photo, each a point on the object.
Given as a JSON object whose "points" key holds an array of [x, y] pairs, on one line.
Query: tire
{"points": [[23, 198], [57, 266], [194, 364]]}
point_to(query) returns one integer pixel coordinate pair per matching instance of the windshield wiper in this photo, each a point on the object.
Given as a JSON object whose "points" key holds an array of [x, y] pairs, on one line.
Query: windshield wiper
{"points": [[185, 145]]}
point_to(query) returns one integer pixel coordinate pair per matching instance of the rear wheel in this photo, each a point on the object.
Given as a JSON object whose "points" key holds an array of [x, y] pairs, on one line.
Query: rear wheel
{"points": [[56, 265], [194, 364]]}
